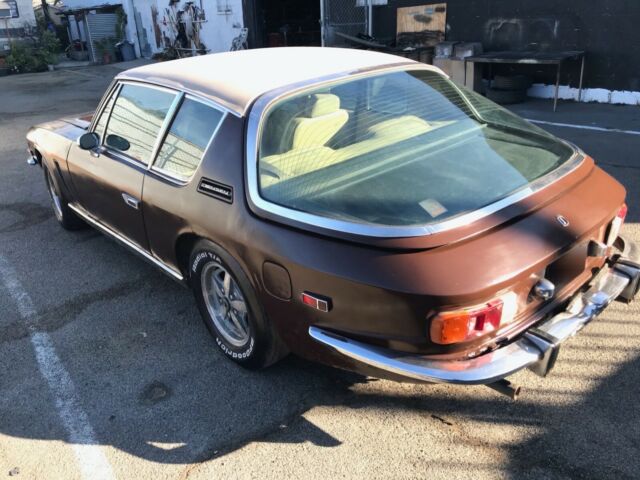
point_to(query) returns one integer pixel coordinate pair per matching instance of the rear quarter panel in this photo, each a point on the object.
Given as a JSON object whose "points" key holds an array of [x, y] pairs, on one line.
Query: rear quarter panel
{"points": [[380, 295]]}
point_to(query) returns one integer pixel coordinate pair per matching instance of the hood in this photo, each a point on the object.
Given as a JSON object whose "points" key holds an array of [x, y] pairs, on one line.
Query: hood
{"points": [[82, 120]]}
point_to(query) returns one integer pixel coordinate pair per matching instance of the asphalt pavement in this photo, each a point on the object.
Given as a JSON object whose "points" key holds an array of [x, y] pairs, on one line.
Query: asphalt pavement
{"points": [[106, 370]]}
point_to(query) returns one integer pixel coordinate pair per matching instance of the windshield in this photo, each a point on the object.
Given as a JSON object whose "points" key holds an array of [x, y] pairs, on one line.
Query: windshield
{"points": [[403, 148]]}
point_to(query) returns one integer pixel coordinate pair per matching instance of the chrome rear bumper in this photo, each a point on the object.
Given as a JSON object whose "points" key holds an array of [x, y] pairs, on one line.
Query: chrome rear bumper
{"points": [[537, 348]]}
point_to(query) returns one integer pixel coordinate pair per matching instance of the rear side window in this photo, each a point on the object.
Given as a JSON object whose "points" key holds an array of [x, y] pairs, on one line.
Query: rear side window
{"points": [[136, 119], [191, 130]]}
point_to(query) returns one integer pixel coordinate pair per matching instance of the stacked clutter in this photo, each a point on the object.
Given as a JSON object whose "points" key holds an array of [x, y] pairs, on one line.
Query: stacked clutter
{"points": [[450, 59], [508, 89]]}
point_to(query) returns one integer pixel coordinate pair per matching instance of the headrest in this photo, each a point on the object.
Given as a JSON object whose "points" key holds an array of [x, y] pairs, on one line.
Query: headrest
{"points": [[322, 104]]}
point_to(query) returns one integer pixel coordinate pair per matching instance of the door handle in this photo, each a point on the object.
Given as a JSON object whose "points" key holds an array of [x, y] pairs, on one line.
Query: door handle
{"points": [[131, 201]]}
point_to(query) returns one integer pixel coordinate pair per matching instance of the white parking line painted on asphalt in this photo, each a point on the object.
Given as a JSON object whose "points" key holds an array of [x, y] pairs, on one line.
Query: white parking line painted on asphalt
{"points": [[584, 127], [92, 461]]}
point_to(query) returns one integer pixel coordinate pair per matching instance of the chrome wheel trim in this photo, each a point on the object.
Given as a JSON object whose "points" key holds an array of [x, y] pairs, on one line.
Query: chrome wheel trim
{"points": [[226, 304], [55, 198]]}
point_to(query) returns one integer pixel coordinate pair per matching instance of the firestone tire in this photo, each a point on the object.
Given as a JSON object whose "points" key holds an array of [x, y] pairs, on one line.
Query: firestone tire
{"points": [[231, 310], [65, 216]]}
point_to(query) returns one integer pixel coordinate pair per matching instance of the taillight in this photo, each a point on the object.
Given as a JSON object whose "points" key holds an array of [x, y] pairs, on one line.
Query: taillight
{"points": [[616, 224], [468, 323], [622, 213]]}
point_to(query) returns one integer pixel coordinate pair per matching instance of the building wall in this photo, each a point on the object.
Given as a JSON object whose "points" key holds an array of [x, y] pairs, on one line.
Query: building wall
{"points": [[16, 25], [149, 24], [75, 29], [76, 24], [26, 15], [606, 30], [13, 28]]}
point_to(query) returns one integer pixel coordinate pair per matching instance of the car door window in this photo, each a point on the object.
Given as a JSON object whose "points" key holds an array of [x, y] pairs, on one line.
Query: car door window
{"points": [[101, 124], [191, 130], [136, 119]]}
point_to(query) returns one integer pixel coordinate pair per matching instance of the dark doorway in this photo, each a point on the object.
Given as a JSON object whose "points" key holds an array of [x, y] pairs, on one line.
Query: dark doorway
{"points": [[279, 23]]}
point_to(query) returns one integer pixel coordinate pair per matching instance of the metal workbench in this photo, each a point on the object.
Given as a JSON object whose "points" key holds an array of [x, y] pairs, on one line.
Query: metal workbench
{"points": [[534, 58]]}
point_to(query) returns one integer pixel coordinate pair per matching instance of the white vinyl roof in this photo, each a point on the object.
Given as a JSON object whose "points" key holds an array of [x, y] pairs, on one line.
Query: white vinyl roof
{"points": [[236, 79]]}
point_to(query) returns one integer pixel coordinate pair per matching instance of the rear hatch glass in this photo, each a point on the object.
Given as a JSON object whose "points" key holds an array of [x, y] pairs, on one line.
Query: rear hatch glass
{"points": [[404, 148]]}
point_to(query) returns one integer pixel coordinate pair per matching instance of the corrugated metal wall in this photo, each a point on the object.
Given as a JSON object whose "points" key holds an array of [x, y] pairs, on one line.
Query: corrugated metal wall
{"points": [[100, 26]]}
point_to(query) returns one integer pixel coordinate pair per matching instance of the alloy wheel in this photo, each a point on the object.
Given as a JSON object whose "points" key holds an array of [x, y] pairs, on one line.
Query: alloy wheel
{"points": [[226, 304]]}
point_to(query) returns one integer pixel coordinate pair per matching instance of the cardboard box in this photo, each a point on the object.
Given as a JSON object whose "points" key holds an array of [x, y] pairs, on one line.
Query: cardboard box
{"points": [[455, 69]]}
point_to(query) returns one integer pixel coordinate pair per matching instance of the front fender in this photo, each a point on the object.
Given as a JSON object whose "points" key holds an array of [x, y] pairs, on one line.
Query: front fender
{"points": [[49, 144]]}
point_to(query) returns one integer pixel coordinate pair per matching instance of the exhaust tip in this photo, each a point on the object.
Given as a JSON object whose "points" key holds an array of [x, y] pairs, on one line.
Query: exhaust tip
{"points": [[505, 387], [516, 392]]}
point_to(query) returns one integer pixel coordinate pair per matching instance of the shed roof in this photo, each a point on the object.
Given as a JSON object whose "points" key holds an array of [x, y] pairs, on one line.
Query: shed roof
{"points": [[236, 79]]}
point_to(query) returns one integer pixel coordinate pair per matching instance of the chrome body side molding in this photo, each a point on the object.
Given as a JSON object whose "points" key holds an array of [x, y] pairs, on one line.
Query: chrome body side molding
{"points": [[82, 213]]}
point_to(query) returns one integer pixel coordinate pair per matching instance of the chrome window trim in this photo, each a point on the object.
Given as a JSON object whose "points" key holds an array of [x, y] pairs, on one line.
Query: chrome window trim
{"points": [[111, 90], [123, 156], [164, 128], [181, 181], [199, 97], [290, 216], [179, 87], [115, 88]]}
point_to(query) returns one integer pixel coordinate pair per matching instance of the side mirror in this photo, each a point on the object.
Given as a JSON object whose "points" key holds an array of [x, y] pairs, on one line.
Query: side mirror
{"points": [[89, 141], [118, 142]]}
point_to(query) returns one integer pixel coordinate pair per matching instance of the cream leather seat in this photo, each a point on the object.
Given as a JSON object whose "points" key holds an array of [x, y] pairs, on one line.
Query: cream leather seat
{"points": [[322, 120], [302, 136], [385, 134], [299, 161]]}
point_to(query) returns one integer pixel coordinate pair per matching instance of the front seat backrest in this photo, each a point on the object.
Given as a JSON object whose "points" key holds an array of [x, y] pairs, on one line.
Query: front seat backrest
{"points": [[322, 120]]}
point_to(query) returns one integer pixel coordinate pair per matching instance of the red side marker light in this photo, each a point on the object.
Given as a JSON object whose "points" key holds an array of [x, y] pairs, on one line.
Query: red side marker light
{"points": [[616, 225], [622, 213], [316, 301]]}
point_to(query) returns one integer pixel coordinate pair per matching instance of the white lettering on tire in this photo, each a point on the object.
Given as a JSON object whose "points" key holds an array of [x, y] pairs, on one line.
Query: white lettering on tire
{"points": [[202, 256], [242, 355]]}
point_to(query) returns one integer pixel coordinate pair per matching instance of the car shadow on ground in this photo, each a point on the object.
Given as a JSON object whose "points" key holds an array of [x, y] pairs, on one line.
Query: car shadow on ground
{"points": [[189, 417], [154, 385], [595, 434]]}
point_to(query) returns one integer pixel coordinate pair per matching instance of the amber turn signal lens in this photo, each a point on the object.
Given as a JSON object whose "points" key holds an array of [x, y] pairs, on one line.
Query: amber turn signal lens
{"points": [[450, 327], [464, 325]]}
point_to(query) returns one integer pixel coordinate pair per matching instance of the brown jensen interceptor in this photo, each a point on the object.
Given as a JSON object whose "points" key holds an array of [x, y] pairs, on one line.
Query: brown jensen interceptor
{"points": [[352, 207]]}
